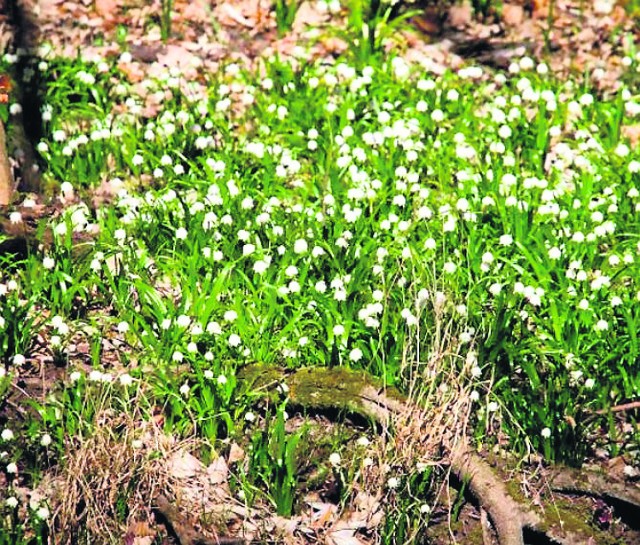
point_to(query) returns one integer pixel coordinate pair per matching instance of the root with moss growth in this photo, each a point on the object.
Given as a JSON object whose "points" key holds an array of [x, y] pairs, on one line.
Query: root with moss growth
{"points": [[341, 389]]}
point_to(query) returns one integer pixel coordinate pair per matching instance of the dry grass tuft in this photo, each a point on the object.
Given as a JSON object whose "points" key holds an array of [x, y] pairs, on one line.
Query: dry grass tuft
{"points": [[108, 481]]}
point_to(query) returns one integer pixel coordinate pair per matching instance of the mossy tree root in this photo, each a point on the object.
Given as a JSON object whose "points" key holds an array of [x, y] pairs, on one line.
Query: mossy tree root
{"points": [[595, 484], [340, 389], [507, 516]]}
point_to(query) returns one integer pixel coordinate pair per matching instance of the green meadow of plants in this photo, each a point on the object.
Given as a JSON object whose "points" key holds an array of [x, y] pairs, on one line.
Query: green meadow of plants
{"points": [[331, 215]]}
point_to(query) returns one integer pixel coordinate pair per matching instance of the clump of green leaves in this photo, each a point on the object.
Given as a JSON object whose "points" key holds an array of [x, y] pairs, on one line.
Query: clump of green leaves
{"points": [[286, 11], [273, 461]]}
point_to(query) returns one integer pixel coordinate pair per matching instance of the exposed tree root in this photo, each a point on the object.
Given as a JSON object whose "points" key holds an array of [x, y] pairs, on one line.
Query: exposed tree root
{"points": [[507, 516], [591, 483], [412, 432]]}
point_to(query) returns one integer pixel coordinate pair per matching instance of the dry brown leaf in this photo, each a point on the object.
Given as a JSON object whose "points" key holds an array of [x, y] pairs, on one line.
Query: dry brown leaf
{"points": [[133, 71], [218, 471], [197, 10], [368, 511], [143, 540], [460, 16], [107, 9], [308, 15], [175, 56], [285, 528], [235, 16], [323, 513], [632, 132], [140, 529], [344, 534], [540, 8], [236, 453], [512, 14], [428, 22], [183, 465]]}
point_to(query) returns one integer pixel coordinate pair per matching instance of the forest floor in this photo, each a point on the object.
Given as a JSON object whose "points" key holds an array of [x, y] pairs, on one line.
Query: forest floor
{"points": [[482, 495]]}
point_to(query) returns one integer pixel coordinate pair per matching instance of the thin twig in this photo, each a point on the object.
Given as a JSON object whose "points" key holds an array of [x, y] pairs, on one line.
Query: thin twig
{"points": [[620, 408]]}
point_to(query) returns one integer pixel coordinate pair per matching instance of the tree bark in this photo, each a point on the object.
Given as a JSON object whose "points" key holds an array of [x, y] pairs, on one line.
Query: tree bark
{"points": [[6, 177]]}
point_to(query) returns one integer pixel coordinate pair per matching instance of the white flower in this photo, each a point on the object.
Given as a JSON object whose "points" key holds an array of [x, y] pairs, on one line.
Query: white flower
{"points": [[46, 440], [555, 253], [545, 432], [11, 502], [355, 355], [42, 513], [601, 325], [300, 246], [506, 240], [230, 315], [181, 233], [184, 389], [504, 132], [495, 288], [123, 327], [48, 263], [234, 340], [12, 468], [19, 359], [214, 328], [222, 380], [120, 235], [183, 320], [294, 287], [260, 266], [125, 379], [335, 459], [7, 435], [250, 417], [393, 483]]}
